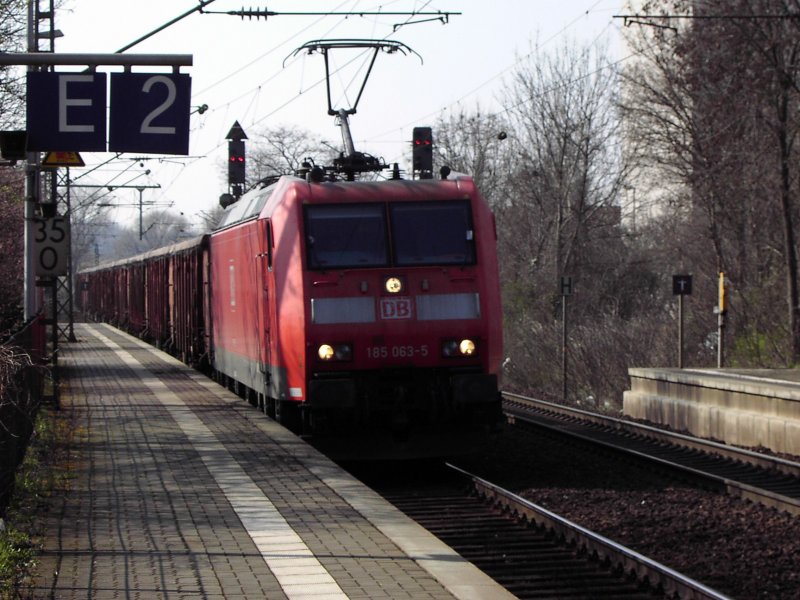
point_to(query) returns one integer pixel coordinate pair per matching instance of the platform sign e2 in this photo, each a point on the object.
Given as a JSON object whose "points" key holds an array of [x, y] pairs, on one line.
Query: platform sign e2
{"points": [[150, 113], [51, 246], [66, 111]]}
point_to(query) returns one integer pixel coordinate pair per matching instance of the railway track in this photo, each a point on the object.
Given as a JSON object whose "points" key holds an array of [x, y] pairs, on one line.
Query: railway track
{"points": [[768, 480], [529, 550]]}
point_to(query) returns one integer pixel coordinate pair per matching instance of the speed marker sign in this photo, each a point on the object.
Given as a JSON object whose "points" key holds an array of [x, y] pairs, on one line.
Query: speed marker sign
{"points": [[51, 246]]}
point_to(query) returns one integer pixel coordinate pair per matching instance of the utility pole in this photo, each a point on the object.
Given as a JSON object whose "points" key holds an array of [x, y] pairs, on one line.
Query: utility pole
{"points": [[566, 292], [681, 286], [140, 204]]}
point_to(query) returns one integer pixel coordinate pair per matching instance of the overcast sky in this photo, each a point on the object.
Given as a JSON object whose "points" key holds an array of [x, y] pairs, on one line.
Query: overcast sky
{"points": [[245, 70]]}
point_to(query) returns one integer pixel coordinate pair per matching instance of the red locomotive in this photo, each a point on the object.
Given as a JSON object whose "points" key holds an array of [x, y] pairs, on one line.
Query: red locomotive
{"points": [[347, 309]]}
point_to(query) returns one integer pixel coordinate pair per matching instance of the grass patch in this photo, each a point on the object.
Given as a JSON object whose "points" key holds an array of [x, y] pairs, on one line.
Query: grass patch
{"points": [[42, 472], [16, 560]]}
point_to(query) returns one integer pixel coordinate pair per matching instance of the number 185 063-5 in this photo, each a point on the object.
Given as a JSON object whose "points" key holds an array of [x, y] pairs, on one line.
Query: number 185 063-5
{"points": [[401, 351]]}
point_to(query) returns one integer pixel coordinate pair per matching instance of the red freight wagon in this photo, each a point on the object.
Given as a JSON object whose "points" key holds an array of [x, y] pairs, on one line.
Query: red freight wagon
{"points": [[157, 294], [188, 279], [121, 298], [137, 316]]}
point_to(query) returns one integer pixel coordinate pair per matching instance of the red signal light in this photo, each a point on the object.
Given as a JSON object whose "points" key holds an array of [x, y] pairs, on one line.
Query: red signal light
{"points": [[236, 162], [422, 150]]}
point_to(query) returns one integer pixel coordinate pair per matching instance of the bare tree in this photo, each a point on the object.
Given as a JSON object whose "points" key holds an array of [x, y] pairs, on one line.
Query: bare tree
{"points": [[11, 248], [12, 115], [555, 183], [210, 218], [563, 108], [476, 144], [282, 150], [91, 231], [13, 31], [713, 103]]}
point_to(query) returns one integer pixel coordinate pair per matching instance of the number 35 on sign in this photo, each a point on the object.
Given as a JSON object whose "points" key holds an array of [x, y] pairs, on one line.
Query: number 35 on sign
{"points": [[51, 246]]}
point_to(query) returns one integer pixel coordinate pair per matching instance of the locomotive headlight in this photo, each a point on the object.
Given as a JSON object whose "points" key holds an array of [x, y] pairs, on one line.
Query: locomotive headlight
{"points": [[335, 352], [325, 352], [467, 347], [393, 285], [456, 348]]}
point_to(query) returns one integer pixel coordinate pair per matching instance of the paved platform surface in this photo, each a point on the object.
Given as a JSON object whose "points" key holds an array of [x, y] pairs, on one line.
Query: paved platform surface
{"points": [[183, 490], [766, 376]]}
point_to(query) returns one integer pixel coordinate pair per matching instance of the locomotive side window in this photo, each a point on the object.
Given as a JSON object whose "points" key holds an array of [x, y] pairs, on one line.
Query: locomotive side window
{"points": [[432, 233], [270, 245], [346, 236]]}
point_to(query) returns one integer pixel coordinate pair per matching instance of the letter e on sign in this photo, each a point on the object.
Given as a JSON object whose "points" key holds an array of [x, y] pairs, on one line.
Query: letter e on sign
{"points": [[66, 111], [51, 246]]}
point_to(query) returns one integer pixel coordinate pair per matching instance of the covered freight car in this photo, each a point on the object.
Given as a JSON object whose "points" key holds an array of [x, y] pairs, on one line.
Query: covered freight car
{"points": [[159, 296]]}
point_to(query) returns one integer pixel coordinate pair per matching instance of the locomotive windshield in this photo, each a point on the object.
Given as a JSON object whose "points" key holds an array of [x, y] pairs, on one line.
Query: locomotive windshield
{"points": [[432, 233], [422, 233], [346, 235]]}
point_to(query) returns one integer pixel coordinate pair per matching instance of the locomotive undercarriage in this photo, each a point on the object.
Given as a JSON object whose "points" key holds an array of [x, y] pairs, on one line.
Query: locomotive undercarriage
{"points": [[400, 403]]}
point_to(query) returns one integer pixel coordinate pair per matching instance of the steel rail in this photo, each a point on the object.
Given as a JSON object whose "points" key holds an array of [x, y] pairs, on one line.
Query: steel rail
{"points": [[732, 486], [630, 561]]}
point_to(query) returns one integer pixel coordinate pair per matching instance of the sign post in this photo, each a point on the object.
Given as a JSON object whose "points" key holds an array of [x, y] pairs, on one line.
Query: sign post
{"points": [[681, 286], [566, 291]]}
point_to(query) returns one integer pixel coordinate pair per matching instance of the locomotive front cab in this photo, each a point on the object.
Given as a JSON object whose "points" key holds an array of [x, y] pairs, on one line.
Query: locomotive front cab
{"points": [[400, 334]]}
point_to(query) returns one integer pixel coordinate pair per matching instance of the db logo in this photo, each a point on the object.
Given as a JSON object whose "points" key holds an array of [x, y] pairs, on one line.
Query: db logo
{"points": [[395, 308]]}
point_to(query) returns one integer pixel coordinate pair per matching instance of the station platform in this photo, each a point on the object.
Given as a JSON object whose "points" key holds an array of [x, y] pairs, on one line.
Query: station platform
{"points": [[180, 489], [744, 407]]}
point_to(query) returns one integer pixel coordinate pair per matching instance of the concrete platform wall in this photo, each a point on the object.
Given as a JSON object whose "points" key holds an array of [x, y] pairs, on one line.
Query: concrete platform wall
{"points": [[744, 408]]}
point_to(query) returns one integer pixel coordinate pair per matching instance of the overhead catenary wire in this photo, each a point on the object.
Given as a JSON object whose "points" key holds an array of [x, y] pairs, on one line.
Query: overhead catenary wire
{"points": [[505, 70], [257, 117], [291, 100]]}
